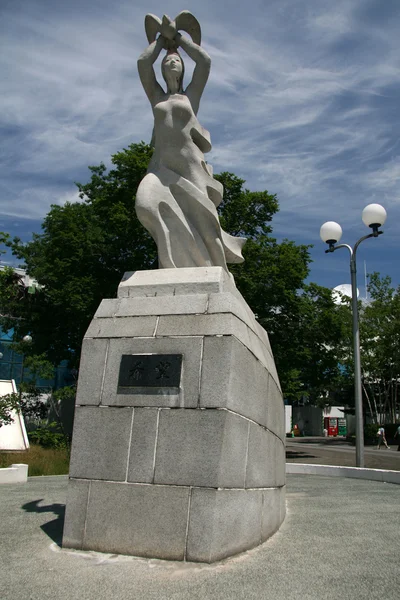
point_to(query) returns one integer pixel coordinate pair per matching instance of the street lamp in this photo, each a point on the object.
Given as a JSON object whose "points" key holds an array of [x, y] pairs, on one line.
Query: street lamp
{"points": [[374, 216]]}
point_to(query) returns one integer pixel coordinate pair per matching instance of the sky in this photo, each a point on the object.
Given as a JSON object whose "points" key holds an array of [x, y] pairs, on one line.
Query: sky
{"points": [[302, 101]]}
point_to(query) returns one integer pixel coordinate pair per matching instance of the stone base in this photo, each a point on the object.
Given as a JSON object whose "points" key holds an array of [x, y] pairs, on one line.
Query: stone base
{"points": [[195, 472], [169, 522]]}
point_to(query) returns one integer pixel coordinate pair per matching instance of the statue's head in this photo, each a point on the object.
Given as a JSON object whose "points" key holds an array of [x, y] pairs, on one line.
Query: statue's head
{"points": [[173, 69]]}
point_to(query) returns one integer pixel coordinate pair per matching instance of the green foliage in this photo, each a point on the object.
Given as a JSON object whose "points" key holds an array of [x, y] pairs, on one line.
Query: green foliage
{"points": [[380, 343], [35, 367], [49, 436], [80, 256], [8, 404], [245, 213], [370, 435], [85, 248], [390, 431], [302, 320], [370, 432]]}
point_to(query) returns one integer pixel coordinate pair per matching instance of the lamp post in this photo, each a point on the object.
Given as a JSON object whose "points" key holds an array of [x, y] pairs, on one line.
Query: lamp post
{"points": [[374, 216]]}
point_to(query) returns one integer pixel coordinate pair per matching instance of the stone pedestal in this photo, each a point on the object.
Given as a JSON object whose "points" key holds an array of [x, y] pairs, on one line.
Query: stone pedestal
{"points": [[177, 460]]}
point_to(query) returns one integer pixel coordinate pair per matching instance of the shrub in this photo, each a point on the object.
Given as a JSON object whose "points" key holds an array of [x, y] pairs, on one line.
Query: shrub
{"points": [[49, 436], [8, 404], [371, 433]]}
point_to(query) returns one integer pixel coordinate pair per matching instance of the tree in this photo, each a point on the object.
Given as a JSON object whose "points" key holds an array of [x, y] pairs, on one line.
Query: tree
{"points": [[380, 348], [304, 328], [81, 254], [85, 248], [8, 404]]}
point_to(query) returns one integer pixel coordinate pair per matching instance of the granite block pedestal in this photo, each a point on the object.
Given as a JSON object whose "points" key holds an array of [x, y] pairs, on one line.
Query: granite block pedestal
{"points": [[178, 442]]}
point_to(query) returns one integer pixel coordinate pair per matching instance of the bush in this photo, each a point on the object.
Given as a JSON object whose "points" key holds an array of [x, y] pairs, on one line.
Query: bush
{"points": [[8, 404], [371, 434], [390, 430], [49, 436]]}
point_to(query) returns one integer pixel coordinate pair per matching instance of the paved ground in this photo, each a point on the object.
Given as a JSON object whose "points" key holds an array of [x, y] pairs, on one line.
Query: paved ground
{"points": [[336, 451], [341, 539]]}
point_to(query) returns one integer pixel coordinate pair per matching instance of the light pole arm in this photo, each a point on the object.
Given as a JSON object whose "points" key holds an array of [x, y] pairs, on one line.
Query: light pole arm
{"points": [[365, 237]]}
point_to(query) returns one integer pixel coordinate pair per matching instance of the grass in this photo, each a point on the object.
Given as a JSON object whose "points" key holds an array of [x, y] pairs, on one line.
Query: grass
{"points": [[41, 461]]}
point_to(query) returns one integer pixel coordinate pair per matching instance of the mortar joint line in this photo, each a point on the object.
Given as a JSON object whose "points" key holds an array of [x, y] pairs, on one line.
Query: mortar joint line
{"points": [[187, 523], [262, 516], [156, 326], [247, 455], [233, 412], [129, 446], [207, 304], [104, 371], [200, 370], [155, 446], [86, 515]]}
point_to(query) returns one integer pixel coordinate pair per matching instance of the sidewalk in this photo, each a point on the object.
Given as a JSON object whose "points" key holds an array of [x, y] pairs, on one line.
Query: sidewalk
{"points": [[340, 539], [336, 451]]}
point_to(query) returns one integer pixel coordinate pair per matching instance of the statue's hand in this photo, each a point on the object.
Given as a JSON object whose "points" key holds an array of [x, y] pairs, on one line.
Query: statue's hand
{"points": [[168, 29]]}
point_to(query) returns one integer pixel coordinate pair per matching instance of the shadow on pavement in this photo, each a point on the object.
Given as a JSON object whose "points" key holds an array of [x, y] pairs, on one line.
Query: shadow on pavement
{"points": [[54, 528], [298, 454]]}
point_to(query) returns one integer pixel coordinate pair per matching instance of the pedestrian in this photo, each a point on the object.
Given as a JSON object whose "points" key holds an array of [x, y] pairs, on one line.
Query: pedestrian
{"points": [[397, 434], [382, 438]]}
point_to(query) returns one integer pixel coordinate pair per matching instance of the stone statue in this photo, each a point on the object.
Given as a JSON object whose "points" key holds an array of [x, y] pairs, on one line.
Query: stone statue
{"points": [[177, 199]]}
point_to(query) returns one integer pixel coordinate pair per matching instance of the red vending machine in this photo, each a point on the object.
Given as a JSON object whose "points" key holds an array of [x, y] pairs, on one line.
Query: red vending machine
{"points": [[332, 426]]}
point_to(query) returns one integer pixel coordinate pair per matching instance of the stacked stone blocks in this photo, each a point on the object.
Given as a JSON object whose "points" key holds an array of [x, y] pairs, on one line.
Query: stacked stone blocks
{"points": [[195, 473]]}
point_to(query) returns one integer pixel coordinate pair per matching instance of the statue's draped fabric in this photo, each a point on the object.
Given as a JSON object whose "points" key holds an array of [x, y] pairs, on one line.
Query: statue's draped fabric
{"points": [[177, 199]]}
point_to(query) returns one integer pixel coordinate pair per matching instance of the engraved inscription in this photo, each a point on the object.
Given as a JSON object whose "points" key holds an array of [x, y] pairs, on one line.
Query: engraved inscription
{"points": [[149, 371], [137, 371], [162, 369]]}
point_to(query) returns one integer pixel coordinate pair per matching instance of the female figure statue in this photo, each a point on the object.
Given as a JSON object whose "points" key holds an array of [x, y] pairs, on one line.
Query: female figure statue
{"points": [[176, 201]]}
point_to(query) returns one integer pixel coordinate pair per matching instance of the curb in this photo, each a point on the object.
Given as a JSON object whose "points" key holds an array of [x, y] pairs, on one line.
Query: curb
{"points": [[17, 473], [352, 472]]}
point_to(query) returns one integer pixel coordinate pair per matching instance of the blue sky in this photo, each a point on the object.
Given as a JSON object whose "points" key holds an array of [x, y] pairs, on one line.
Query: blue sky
{"points": [[302, 100]]}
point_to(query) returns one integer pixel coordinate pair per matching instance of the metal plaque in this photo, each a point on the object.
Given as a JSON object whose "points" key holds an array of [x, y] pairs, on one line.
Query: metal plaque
{"points": [[149, 370]]}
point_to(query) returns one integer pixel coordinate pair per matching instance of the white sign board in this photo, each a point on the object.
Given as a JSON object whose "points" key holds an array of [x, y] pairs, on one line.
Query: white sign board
{"points": [[12, 436]]}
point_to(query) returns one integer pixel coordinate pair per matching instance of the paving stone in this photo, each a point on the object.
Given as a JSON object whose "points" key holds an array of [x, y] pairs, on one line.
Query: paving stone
{"points": [[143, 440], [216, 324], [280, 453], [172, 282], [137, 519], [201, 448], [122, 327], [261, 352], [163, 305], [263, 335], [273, 512], [222, 523], [261, 468], [108, 308], [275, 409], [75, 513], [93, 360], [100, 443], [230, 303], [188, 396], [233, 378]]}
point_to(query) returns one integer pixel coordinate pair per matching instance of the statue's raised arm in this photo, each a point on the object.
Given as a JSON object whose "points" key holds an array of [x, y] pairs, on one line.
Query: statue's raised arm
{"points": [[170, 39], [177, 199]]}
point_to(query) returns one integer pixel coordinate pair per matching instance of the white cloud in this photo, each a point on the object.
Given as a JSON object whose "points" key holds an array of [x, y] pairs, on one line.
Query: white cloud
{"points": [[302, 99]]}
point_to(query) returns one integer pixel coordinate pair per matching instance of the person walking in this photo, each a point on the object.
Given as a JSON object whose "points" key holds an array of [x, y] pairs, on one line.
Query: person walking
{"points": [[397, 434], [382, 438]]}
